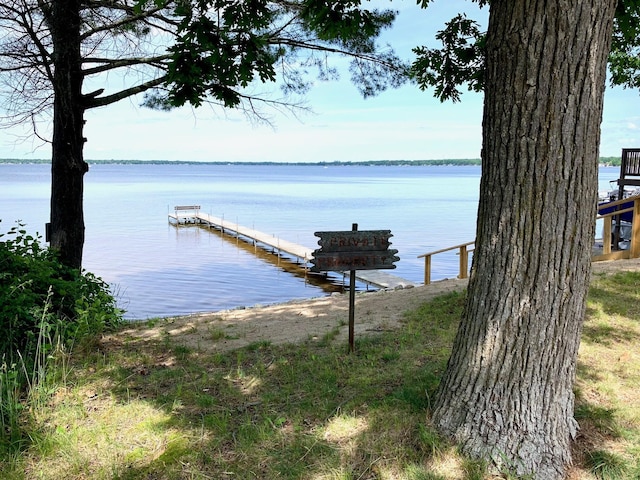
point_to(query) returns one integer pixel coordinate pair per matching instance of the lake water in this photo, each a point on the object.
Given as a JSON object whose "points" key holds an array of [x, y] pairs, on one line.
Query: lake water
{"points": [[157, 269]]}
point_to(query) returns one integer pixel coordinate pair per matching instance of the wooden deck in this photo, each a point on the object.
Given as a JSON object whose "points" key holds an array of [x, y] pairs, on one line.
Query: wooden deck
{"points": [[302, 254]]}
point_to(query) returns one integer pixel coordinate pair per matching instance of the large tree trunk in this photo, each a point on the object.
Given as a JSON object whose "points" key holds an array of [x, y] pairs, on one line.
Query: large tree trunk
{"points": [[68, 166], [507, 391]]}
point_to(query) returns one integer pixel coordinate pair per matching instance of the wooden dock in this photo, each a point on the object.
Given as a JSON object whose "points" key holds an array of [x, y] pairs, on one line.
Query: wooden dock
{"points": [[191, 214]]}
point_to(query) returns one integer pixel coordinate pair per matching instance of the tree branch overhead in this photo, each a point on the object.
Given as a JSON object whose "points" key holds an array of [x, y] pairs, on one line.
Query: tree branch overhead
{"points": [[56, 54]]}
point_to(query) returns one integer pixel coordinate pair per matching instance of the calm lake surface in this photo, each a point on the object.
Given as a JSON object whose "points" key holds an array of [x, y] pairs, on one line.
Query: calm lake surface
{"points": [[157, 269]]}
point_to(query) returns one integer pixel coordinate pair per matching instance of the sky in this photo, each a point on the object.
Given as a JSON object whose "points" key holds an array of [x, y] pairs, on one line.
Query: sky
{"points": [[400, 124]]}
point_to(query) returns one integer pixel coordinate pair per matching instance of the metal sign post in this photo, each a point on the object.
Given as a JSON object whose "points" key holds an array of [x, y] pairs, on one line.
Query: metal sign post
{"points": [[352, 301], [351, 251]]}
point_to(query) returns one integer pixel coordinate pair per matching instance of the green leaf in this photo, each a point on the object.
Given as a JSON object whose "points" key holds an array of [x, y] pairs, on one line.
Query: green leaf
{"points": [[460, 60]]}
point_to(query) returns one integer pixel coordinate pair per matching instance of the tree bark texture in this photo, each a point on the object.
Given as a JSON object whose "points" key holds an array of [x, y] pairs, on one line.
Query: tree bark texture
{"points": [[68, 166], [507, 392]]}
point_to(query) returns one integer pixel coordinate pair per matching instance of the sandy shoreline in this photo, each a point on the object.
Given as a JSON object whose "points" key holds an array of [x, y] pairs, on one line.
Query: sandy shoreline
{"points": [[300, 320]]}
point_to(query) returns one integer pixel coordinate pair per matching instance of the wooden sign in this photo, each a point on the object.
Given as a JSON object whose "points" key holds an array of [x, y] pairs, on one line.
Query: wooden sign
{"points": [[343, 261], [353, 250], [354, 241]]}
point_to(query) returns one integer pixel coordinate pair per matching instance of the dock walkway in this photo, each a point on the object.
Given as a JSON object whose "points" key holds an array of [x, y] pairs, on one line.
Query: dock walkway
{"points": [[302, 254]]}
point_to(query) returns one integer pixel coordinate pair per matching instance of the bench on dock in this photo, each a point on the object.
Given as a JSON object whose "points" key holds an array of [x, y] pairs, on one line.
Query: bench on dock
{"points": [[186, 208], [183, 214]]}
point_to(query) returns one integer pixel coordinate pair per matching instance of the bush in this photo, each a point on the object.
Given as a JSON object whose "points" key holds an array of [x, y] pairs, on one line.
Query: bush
{"points": [[44, 308], [37, 291]]}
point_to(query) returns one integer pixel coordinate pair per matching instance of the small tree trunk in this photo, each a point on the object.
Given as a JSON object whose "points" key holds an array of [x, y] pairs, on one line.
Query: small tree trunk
{"points": [[68, 166], [507, 392]]}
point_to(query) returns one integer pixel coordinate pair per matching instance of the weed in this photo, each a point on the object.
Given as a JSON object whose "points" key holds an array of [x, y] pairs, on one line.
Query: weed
{"points": [[430, 441], [152, 322], [26, 386], [474, 469], [10, 408], [329, 337], [216, 334], [390, 356], [181, 351], [259, 345], [606, 465]]}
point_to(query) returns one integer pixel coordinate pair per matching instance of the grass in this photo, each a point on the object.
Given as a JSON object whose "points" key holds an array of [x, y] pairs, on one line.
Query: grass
{"points": [[311, 411], [606, 465], [608, 384]]}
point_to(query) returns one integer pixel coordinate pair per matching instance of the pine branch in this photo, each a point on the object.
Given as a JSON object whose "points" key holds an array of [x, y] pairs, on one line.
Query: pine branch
{"points": [[93, 102]]}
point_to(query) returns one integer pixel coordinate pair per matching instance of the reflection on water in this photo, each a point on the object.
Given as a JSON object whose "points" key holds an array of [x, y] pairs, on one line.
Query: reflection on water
{"points": [[329, 283], [160, 270]]}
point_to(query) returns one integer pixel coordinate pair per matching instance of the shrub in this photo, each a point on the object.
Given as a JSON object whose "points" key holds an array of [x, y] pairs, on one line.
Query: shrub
{"points": [[37, 291], [44, 308]]}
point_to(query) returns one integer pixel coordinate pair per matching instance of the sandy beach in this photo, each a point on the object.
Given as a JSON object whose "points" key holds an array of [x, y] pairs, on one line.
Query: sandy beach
{"points": [[301, 320]]}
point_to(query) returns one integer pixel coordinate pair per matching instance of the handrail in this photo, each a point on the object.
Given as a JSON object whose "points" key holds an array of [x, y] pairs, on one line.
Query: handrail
{"points": [[614, 213], [607, 254], [618, 202], [464, 260]]}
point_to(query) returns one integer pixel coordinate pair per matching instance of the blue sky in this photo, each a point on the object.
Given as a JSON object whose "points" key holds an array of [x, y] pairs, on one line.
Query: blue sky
{"points": [[398, 124]]}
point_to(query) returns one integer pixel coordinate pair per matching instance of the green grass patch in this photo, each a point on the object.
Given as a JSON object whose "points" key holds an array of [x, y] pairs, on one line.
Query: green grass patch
{"points": [[311, 410], [606, 465]]}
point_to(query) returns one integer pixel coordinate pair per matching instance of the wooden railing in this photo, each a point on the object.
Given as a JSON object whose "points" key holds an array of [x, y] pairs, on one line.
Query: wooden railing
{"points": [[607, 254], [464, 260], [634, 247]]}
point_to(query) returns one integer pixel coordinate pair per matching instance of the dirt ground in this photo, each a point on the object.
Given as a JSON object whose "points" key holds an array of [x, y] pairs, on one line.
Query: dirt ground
{"points": [[300, 320]]}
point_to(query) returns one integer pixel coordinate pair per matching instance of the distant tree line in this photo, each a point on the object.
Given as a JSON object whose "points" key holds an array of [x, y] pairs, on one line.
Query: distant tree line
{"points": [[610, 161], [463, 161], [604, 161]]}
